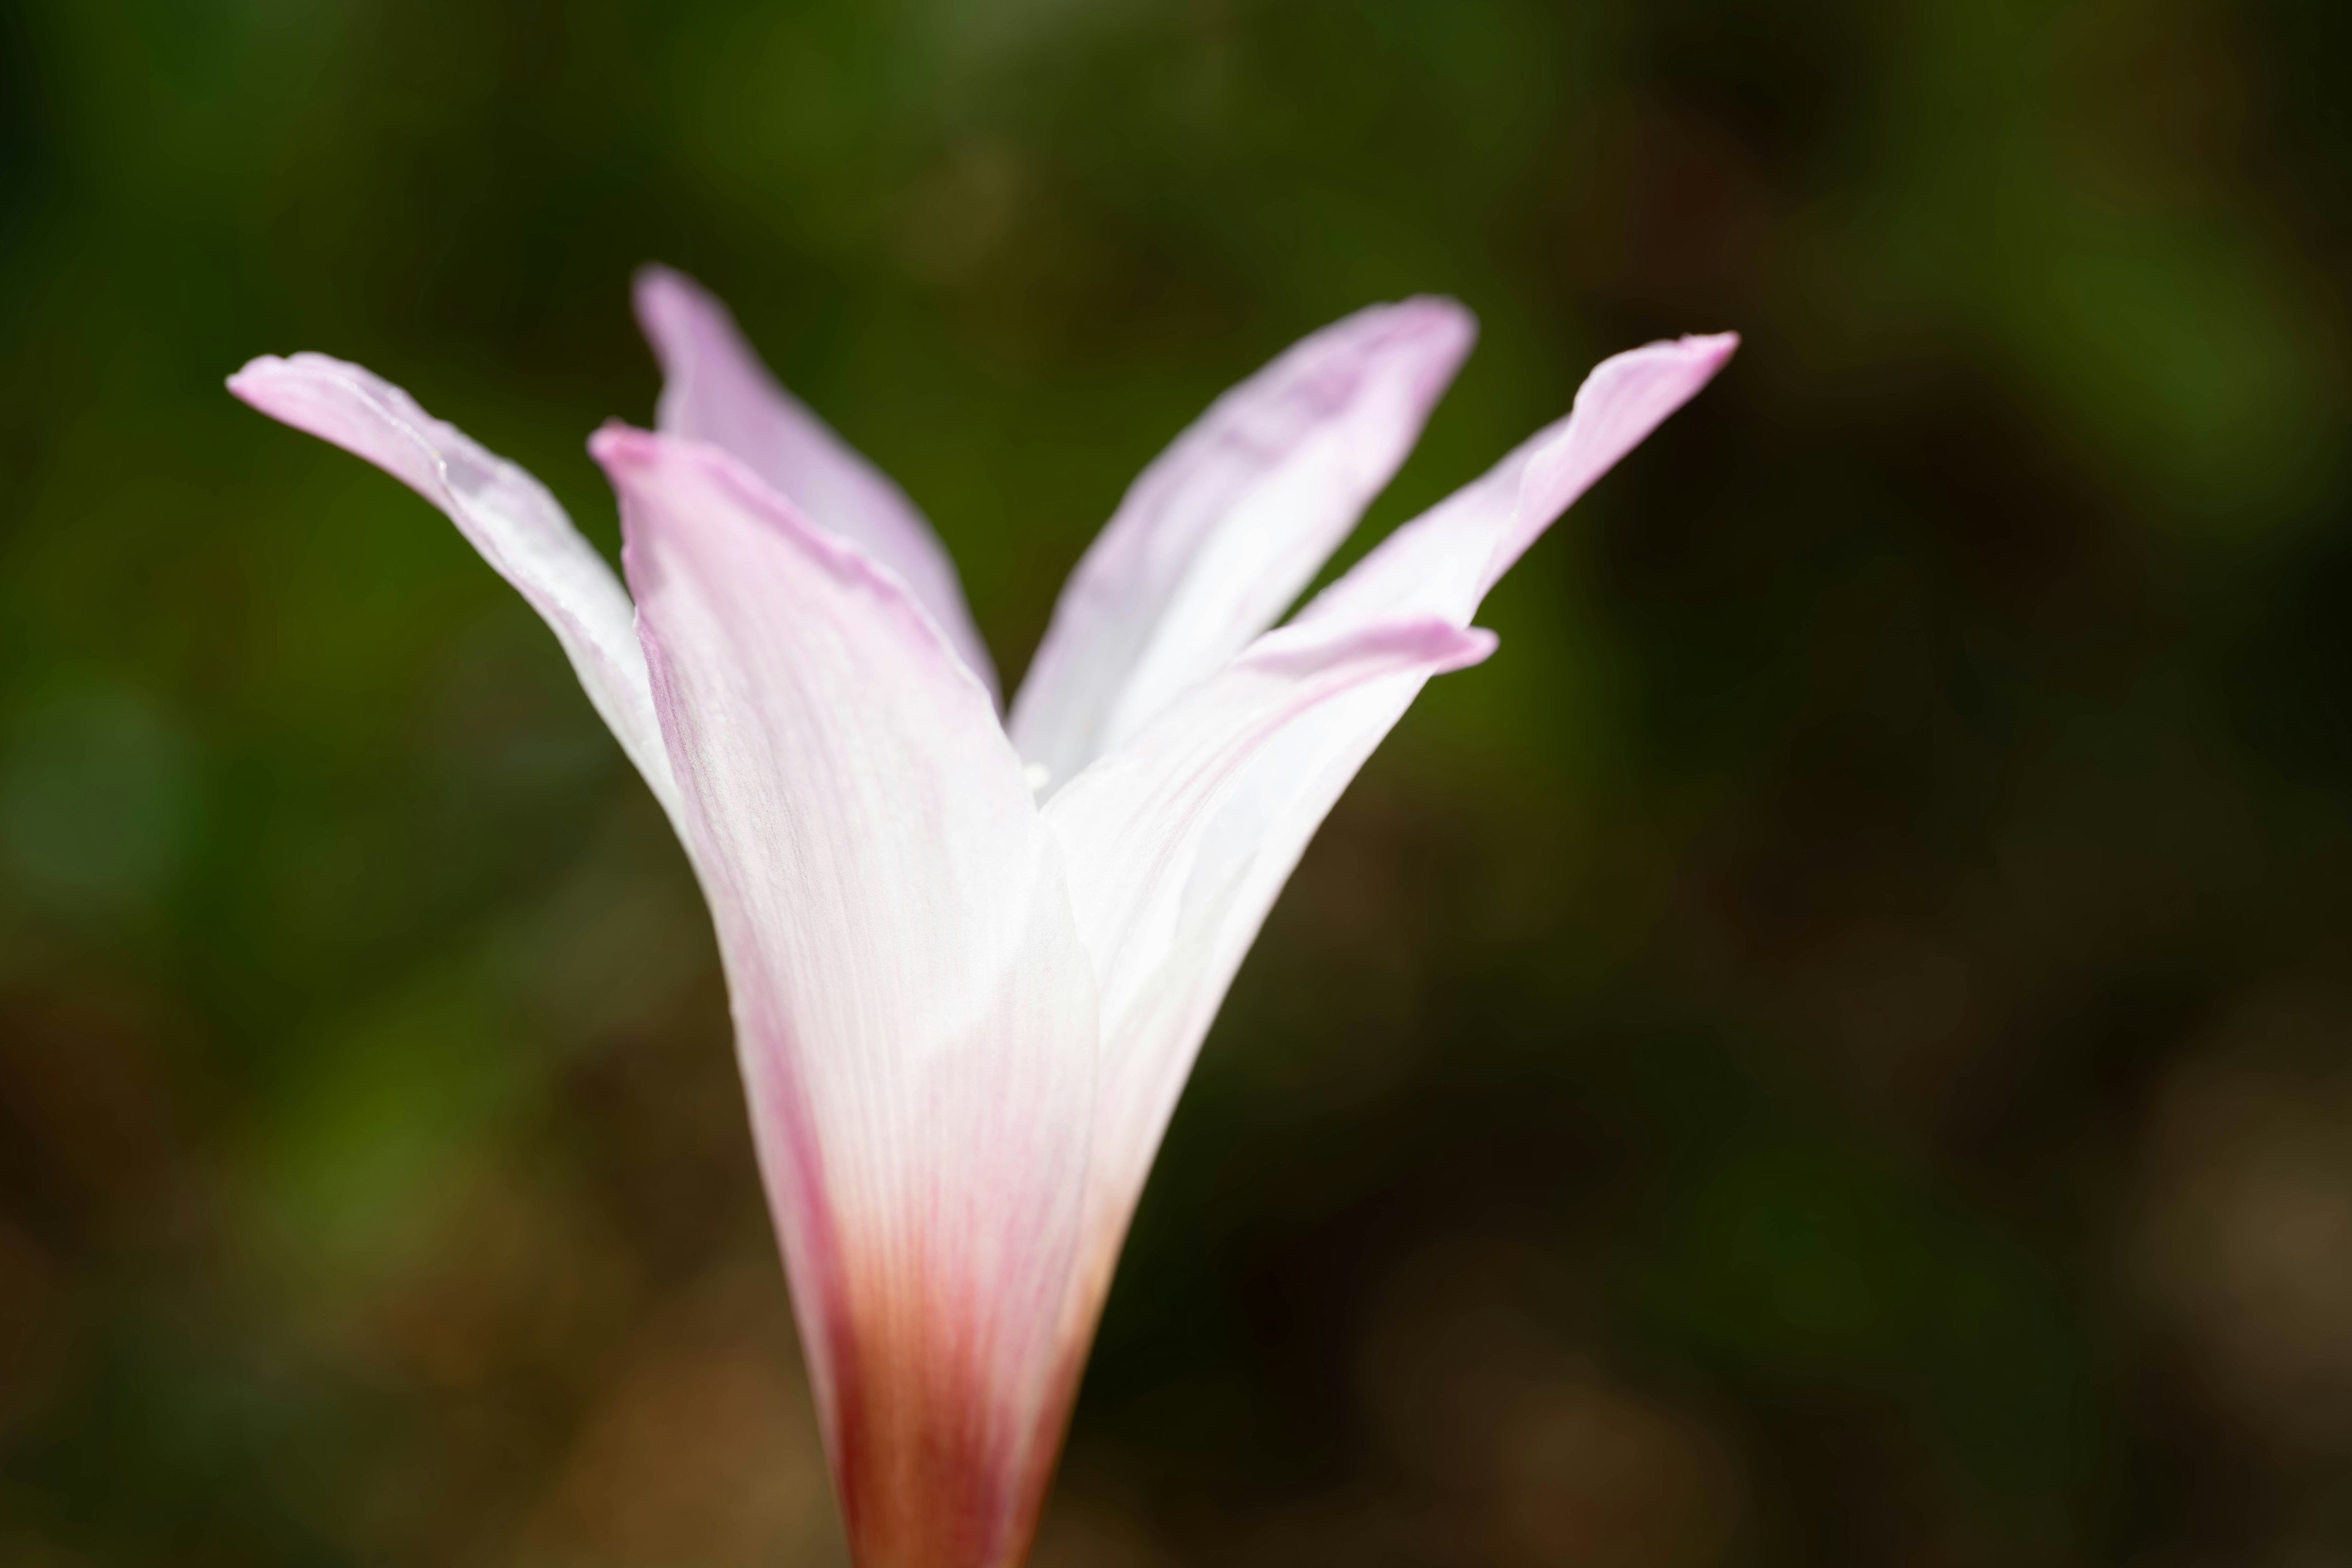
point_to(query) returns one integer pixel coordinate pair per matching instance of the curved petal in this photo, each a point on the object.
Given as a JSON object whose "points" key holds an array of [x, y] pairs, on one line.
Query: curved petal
{"points": [[1220, 533], [1179, 843], [1444, 561], [715, 389], [915, 1014], [502, 512]]}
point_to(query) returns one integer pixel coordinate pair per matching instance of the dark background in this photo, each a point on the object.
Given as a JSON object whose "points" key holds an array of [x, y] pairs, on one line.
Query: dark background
{"points": [[1834, 1048]]}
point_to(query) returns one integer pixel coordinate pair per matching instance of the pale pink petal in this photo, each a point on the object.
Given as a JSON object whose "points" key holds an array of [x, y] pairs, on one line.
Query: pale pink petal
{"points": [[915, 1014], [1222, 530], [502, 512], [1179, 843], [1444, 561], [715, 389]]}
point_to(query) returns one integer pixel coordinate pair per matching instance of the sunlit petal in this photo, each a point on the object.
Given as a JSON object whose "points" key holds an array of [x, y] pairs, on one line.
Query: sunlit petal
{"points": [[1179, 843], [502, 512], [915, 1014], [715, 389], [1219, 535]]}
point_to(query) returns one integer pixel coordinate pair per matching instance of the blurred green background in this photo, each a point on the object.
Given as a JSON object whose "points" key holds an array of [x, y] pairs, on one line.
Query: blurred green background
{"points": [[1834, 1048]]}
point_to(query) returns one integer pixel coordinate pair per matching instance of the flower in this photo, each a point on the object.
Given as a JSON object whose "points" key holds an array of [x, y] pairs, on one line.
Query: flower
{"points": [[971, 960]]}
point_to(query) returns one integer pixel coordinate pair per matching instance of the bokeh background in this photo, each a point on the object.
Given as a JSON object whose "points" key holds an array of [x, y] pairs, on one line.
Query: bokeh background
{"points": [[1834, 1048]]}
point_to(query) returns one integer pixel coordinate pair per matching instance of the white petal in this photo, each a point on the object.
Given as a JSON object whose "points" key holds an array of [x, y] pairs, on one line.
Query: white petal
{"points": [[1444, 561], [1220, 533], [502, 512], [915, 1014], [1179, 843], [715, 389]]}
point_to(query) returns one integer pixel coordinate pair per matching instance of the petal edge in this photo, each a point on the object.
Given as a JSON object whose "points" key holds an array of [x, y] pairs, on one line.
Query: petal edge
{"points": [[503, 513], [716, 388]]}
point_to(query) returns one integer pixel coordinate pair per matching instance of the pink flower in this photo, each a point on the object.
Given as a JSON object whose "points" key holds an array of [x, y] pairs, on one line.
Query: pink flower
{"points": [[971, 960]]}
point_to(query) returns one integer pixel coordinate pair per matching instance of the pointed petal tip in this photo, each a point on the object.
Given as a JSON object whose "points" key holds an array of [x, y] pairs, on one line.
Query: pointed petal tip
{"points": [[675, 313], [1431, 641], [664, 300], [627, 453], [1476, 646], [1445, 330], [1441, 313], [1436, 642], [269, 383], [654, 275], [1433, 330], [1706, 353], [1715, 346], [661, 293], [289, 387], [617, 445], [249, 377]]}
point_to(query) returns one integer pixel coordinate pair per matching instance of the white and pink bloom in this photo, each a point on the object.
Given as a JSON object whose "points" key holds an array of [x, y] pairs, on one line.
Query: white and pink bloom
{"points": [[972, 958]]}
